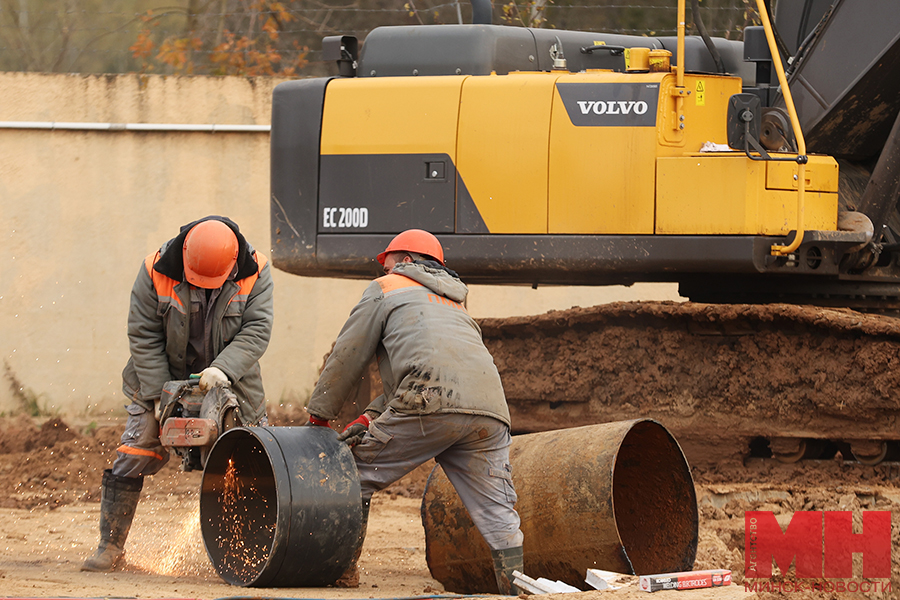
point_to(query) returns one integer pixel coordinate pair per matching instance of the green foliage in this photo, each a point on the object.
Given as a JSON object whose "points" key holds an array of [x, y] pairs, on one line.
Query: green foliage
{"points": [[530, 14], [30, 403], [284, 37]]}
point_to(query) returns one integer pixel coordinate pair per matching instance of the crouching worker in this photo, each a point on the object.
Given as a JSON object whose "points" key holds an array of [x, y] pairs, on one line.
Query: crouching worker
{"points": [[201, 304], [442, 394]]}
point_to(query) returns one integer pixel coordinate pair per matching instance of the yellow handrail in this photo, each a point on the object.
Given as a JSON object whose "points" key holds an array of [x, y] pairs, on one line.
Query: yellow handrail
{"points": [[679, 69], [779, 250]]}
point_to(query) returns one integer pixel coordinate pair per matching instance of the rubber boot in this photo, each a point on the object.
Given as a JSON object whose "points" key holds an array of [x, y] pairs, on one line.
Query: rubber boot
{"points": [[350, 578], [505, 562], [118, 499]]}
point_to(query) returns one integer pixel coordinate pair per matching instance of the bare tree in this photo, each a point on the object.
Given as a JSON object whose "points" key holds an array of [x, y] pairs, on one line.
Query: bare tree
{"points": [[283, 37]]}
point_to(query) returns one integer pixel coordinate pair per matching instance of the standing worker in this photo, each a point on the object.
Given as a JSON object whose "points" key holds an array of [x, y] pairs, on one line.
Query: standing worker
{"points": [[201, 304], [442, 393]]}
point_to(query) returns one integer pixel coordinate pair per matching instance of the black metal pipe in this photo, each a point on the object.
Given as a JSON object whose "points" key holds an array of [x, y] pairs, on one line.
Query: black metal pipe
{"points": [[280, 507]]}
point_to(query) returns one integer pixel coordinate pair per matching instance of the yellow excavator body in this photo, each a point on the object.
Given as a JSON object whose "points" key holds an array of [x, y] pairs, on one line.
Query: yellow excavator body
{"points": [[536, 162]]}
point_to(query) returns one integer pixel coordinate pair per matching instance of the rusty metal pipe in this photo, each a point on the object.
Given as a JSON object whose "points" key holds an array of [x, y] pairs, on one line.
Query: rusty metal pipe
{"points": [[615, 496], [280, 506]]}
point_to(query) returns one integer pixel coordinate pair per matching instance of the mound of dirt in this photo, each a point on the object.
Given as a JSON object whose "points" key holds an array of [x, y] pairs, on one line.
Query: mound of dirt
{"points": [[716, 376], [16, 434], [52, 464], [52, 431]]}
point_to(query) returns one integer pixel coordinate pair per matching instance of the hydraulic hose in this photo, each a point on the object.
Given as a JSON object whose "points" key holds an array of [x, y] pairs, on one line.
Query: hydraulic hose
{"points": [[701, 27]]}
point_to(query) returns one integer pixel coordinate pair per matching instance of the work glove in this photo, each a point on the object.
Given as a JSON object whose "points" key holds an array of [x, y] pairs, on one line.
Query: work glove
{"points": [[355, 431], [211, 377], [317, 421]]}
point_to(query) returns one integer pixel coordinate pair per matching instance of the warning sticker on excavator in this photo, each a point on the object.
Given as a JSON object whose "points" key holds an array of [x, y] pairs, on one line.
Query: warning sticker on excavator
{"points": [[700, 93]]}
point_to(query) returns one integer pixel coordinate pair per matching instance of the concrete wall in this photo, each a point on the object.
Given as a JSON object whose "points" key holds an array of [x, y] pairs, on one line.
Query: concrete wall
{"points": [[80, 210]]}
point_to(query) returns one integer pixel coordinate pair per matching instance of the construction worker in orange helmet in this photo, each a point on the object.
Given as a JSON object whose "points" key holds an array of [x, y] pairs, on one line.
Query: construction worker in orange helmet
{"points": [[417, 241], [210, 252], [442, 394], [177, 326]]}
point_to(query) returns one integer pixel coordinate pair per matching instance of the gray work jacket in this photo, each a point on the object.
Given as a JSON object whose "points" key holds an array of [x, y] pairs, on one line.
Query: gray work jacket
{"points": [[430, 352], [159, 330]]}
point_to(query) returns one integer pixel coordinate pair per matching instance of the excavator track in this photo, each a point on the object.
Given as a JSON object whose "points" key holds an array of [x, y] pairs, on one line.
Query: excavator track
{"points": [[729, 381]]}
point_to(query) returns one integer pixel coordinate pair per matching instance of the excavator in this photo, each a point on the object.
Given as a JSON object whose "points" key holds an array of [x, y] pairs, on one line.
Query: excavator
{"points": [[761, 175]]}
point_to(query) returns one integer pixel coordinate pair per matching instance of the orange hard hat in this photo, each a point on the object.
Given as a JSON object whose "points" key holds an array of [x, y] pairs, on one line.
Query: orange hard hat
{"points": [[415, 240], [210, 252]]}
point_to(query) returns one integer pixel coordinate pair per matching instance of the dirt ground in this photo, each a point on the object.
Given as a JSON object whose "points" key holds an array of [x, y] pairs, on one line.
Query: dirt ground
{"points": [[50, 469], [50, 475]]}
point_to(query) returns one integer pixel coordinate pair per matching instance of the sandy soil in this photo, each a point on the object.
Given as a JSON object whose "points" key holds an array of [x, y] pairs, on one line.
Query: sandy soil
{"points": [[50, 473], [50, 470], [49, 510]]}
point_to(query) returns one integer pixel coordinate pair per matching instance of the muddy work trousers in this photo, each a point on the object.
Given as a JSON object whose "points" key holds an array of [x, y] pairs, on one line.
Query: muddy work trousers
{"points": [[473, 450], [140, 452]]}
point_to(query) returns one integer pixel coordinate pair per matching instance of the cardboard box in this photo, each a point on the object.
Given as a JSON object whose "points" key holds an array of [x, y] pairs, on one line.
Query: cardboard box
{"points": [[605, 580], [687, 580]]}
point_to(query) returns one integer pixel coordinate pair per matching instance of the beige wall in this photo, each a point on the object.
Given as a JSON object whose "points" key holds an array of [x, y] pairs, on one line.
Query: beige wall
{"points": [[80, 210]]}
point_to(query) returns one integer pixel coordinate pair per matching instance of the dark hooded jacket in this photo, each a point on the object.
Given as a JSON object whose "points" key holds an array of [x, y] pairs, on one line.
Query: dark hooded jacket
{"points": [[159, 329]]}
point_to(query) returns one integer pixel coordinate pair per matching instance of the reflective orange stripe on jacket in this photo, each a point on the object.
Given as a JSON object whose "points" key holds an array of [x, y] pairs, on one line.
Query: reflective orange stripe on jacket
{"points": [[165, 286], [138, 452], [398, 283], [393, 282], [246, 284]]}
